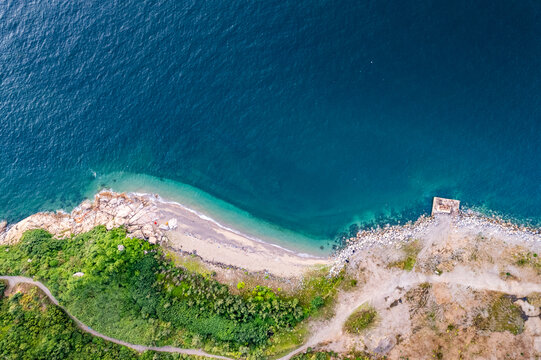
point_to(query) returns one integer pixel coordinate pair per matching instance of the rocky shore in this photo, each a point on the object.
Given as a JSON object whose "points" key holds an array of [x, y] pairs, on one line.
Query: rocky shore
{"points": [[181, 230], [467, 222], [147, 217], [137, 213]]}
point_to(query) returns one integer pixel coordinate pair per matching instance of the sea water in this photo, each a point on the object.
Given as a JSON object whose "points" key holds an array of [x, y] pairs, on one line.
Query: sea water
{"points": [[295, 119]]}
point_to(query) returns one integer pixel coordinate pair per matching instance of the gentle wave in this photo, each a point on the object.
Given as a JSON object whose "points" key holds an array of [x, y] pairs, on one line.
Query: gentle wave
{"points": [[209, 219]]}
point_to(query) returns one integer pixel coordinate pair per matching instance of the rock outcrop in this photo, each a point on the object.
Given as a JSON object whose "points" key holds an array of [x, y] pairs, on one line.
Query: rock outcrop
{"points": [[138, 214]]}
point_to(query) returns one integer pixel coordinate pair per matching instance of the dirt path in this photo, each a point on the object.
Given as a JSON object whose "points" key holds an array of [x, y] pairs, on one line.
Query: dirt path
{"points": [[382, 284], [385, 283], [14, 280]]}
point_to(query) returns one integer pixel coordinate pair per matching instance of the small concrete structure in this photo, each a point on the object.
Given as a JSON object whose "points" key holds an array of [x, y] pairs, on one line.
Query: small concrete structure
{"points": [[445, 206]]}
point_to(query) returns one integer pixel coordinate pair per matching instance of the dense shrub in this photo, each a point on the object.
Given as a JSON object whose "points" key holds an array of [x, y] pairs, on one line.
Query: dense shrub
{"points": [[32, 328], [360, 319], [135, 294]]}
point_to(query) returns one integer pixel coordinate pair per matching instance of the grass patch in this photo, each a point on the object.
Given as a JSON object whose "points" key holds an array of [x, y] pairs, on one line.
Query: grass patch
{"points": [[360, 320], [534, 299], [33, 328], [411, 250], [319, 290], [331, 355], [191, 263], [501, 315], [286, 341], [529, 259]]}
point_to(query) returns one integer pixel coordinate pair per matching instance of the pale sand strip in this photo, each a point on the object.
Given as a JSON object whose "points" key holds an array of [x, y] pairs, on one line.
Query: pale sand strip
{"points": [[146, 216], [217, 244]]}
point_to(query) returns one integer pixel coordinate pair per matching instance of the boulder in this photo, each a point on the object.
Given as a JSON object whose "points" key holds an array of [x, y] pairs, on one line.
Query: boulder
{"points": [[527, 308], [78, 274], [123, 211], [138, 234], [86, 205], [147, 230], [110, 225], [102, 218], [173, 223], [3, 226]]}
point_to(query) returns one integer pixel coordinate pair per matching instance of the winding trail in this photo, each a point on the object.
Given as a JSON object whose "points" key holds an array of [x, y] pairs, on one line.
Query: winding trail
{"points": [[14, 280], [382, 284], [387, 284]]}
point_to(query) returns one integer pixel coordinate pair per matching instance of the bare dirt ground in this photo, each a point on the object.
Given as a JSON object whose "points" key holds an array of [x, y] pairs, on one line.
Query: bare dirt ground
{"points": [[467, 295]]}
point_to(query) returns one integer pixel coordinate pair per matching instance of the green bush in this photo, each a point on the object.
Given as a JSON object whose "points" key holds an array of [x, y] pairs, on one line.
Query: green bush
{"points": [[317, 302], [32, 329], [138, 295], [360, 320], [3, 287]]}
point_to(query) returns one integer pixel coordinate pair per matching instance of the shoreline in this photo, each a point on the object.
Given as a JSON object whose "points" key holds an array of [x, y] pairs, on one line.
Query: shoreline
{"points": [[225, 227], [225, 214], [466, 223], [185, 230], [159, 221]]}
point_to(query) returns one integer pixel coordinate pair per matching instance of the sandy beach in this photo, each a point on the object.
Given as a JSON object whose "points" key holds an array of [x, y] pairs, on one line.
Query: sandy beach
{"points": [[185, 231], [173, 226], [220, 245]]}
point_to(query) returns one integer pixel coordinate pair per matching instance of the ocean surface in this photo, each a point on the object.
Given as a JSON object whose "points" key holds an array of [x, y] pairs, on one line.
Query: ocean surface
{"points": [[287, 119]]}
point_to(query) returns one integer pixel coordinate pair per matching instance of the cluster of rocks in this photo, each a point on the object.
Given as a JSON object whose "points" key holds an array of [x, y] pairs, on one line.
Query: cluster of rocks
{"points": [[138, 214], [399, 234], [381, 236], [497, 224]]}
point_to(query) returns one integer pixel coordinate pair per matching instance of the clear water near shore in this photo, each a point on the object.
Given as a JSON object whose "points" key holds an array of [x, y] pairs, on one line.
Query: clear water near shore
{"points": [[212, 209]]}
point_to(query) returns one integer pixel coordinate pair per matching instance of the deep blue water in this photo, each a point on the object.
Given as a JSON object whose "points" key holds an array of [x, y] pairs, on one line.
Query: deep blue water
{"points": [[310, 115]]}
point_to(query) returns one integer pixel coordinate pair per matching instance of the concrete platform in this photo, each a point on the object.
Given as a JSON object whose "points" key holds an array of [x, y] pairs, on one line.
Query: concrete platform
{"points": [[445, 206]]}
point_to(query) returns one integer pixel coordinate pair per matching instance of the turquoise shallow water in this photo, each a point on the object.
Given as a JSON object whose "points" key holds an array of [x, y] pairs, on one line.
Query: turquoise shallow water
{"points": [[296, 117], [214, 209]]}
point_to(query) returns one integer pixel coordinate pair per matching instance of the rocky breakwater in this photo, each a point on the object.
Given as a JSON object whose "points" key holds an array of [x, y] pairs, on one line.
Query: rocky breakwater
{"points": [[138, 214]]}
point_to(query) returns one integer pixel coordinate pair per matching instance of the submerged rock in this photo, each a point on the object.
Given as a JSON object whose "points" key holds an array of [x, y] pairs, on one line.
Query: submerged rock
{"points": [[3, 226]]}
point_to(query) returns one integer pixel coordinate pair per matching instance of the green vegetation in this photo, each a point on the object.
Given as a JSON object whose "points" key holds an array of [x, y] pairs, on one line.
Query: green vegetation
{"points": [[330, 355], [135, 293], [501, 315], [534, 299], [3, 287], [411, 250], [190, 262], [286, 341], [529, 259], [319, 290], [360, 319], [32, 328]]}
